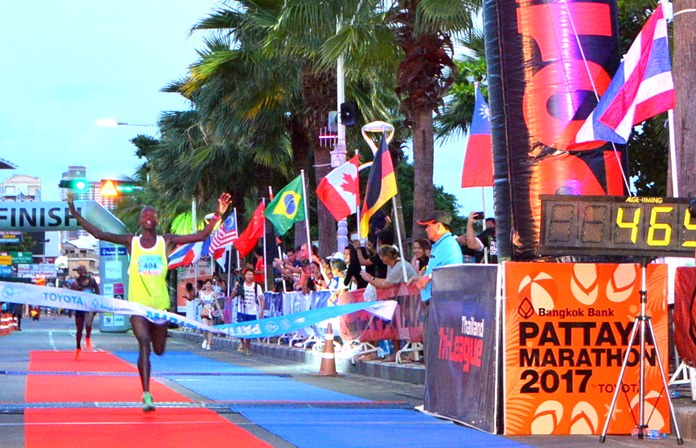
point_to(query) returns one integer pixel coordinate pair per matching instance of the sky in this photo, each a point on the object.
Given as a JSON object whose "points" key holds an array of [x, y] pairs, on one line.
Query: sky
{"points": [[69, 63]]}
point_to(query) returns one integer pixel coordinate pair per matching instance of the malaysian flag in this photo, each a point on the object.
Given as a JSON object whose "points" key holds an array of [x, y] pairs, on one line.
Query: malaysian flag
{"points": [[641, 88], [224, 236]]}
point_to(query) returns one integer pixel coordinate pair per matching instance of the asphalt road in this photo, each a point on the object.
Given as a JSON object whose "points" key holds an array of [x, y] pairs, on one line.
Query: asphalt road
{"points": [[58, 334]]}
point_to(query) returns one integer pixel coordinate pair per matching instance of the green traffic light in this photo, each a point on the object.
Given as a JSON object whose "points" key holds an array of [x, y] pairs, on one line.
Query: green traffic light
{"points": [[79, 185]]}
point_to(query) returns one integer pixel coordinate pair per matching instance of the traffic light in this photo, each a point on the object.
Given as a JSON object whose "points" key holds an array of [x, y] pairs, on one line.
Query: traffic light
{"points": [[79, 185], [111, 187]]}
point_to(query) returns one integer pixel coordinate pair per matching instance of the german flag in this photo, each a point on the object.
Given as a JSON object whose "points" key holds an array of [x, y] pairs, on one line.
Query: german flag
{"points": [[381, 186]]}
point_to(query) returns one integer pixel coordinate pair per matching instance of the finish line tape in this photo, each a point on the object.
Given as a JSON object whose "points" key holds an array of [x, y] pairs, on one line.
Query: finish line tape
{"points": [[46, 296]]}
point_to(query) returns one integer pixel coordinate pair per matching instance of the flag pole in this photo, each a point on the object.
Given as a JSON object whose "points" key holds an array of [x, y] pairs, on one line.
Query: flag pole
{"points": [[357, 198], [265, 277], [398, 234], [673, 153], [236, 226], [306, 213], [193, 230]]}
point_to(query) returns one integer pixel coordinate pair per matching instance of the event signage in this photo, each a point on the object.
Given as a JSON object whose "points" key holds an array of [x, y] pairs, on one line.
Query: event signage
{"points": [[461, 380], [407, 324], [10, 237], [22, 257], [615, 225], [567, 329]]}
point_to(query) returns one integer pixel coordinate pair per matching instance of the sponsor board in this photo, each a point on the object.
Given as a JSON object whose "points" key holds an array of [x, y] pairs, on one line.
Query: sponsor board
{"points": [[567, 329]]}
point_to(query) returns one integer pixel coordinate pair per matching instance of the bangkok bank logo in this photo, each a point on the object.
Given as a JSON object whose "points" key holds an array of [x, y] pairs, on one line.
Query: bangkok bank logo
{"points": [[538, 292]]}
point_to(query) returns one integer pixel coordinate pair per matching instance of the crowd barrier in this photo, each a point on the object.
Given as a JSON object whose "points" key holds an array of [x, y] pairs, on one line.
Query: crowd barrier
{"points": [[361, 326], [537, 348]]}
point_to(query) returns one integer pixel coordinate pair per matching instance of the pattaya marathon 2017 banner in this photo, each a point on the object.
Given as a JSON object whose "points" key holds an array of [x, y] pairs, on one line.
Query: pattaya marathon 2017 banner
{"points": [[567, 328]]}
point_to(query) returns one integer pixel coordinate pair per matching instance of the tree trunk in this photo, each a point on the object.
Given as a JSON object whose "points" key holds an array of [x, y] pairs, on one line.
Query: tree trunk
{"points": [[684, 82], [423, 155]]}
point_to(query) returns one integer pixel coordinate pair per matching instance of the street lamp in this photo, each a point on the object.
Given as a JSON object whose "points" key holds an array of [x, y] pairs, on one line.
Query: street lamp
{"points": [[111, 123]]}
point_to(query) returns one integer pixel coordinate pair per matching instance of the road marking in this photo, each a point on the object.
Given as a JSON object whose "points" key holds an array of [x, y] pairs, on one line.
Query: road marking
{"points": [[51, 341]]}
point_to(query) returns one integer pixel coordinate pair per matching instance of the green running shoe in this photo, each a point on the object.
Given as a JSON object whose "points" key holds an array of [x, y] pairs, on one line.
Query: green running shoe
{"points": [[148, 403]]}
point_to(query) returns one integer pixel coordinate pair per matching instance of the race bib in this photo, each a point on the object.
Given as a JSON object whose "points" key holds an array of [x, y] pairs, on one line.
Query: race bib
{"points": [[150, 265]]}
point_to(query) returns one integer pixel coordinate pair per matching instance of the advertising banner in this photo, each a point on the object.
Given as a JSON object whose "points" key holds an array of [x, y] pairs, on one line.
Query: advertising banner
{"points": [[567, 330], [407, 323], [461, 376], [548, 62]]}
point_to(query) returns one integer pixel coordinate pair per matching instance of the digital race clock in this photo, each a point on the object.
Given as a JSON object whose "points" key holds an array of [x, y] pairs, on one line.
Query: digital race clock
{"points": [[616, 225]]}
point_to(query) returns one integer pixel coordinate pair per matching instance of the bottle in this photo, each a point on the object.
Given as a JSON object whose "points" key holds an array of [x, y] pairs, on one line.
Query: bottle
{"points": [[654, 434]]}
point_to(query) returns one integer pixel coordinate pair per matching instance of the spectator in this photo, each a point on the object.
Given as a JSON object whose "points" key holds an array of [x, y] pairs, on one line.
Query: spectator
{"points": [[445, 251], [421, 255], [395, 275], [191, 304], [250, 305], [259, 266], [484, 241], [354, 269], [209, 309], [338, 274]]}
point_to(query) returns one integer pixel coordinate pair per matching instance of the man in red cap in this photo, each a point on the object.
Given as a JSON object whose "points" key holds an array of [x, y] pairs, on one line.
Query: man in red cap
{"points": [[445, 250]]}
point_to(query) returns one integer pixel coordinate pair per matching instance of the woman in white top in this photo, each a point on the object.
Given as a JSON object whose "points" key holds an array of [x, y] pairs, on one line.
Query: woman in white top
{"points": [[250, 303], [395, 275], [209, 307]]}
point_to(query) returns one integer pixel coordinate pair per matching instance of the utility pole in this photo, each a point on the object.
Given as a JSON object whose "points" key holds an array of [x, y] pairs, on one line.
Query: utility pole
{"points": [[338, 155]]}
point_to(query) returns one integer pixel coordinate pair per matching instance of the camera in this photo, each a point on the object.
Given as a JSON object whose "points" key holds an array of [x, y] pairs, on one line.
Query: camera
{"points": [[478, 215]]}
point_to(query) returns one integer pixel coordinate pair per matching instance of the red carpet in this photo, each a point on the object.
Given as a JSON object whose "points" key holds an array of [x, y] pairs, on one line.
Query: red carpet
{"points": [[114, 427]]}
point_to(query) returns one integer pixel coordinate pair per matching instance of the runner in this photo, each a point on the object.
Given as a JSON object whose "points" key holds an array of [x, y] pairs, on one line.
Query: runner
{"points": [[83, 319], [146, 276]]}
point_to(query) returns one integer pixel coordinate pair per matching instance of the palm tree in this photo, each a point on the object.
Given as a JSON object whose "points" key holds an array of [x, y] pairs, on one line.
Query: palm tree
{"points": [[421, 31], [266, 85]]}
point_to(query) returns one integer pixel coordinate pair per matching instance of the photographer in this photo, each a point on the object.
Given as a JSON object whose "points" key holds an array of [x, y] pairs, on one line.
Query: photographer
{"points": [[250, 304], [484, 241]]}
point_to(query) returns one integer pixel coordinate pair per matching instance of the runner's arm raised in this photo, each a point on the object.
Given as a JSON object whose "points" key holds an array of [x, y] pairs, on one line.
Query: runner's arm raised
{"points": [[122, 239], [223, 203]]}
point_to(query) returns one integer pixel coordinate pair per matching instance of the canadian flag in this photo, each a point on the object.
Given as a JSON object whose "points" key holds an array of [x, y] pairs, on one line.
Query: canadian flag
{"points": [[338, 190]]}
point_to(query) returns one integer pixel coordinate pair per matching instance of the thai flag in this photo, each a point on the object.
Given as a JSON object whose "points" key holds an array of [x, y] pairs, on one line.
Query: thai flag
{"points": [[187, 254], [641, 88], [478, 158], [224, 236]]}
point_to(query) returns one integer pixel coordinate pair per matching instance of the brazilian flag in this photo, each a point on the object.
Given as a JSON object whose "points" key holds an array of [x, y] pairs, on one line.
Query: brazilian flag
{"points": [[287, 208]]}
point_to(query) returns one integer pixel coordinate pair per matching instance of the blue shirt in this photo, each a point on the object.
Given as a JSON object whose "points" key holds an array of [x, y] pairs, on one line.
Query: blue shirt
{"points": [[445, 251]]}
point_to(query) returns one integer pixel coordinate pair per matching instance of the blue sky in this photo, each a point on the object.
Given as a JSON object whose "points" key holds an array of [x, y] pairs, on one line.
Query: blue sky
{"points": [[68, 63]]}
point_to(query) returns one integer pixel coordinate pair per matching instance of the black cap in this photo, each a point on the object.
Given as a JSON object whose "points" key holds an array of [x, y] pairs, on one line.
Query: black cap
{"points": [[437, 216]]}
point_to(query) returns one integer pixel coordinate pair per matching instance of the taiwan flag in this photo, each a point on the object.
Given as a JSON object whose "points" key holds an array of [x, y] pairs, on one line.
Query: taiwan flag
{"points": [[478, 159]]}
